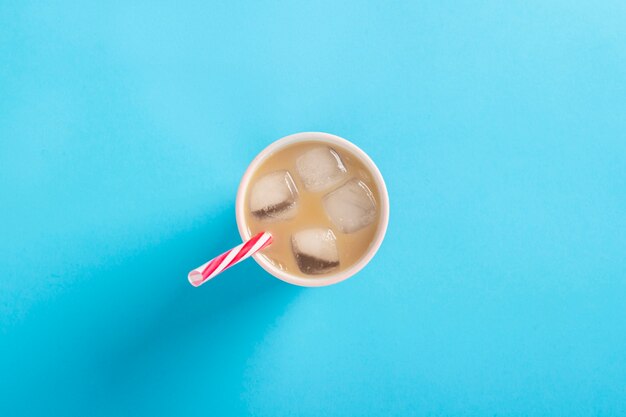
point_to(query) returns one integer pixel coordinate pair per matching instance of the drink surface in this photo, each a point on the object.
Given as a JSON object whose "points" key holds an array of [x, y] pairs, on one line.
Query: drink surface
{"points": [[320, 204]]}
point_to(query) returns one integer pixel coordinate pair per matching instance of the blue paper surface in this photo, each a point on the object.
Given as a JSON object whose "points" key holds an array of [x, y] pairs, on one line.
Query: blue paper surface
{"points": [[500, 128]]}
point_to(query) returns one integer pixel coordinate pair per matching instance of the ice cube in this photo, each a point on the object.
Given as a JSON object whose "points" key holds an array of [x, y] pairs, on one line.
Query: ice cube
{"points": [[320, 168], [351, 207], [315, 251], [274, 196]]}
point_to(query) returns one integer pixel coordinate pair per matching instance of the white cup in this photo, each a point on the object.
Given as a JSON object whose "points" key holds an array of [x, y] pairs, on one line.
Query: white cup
{"points": [[382, 224]]}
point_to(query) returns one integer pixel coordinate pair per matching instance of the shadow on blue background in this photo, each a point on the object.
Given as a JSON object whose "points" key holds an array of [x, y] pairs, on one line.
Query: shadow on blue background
{"points": [[94, 354]]}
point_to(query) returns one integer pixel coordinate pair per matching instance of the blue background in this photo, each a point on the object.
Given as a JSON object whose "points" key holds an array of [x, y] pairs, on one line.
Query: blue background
{"points": [[500, 128]]}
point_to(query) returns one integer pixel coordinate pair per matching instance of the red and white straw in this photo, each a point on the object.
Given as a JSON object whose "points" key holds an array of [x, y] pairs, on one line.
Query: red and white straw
{"points": [[227, 259]]}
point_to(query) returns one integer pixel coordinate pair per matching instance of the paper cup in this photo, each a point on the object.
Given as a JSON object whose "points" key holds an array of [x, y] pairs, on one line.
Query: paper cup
{"points": [[376, 176]]}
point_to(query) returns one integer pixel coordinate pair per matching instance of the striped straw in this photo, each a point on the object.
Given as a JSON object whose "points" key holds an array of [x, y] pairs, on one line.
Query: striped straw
{"points": [[229, 258]]}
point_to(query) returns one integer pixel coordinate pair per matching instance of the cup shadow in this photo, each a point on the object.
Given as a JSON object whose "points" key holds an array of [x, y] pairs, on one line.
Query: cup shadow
{"points": [[243, 297], [131, 316]]}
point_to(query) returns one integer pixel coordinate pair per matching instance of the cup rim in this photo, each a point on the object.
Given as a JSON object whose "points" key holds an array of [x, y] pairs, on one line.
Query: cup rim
{"points": [[384, 208]]}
